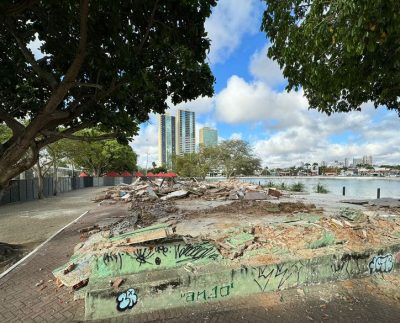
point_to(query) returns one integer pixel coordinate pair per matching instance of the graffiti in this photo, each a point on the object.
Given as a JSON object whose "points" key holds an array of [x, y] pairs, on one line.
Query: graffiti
{"points": [[208, 294], [143, 255], [157, 261], [110, 257], [126, 300], [195, 252], [163, 250], [381, 264], [280, 273], [349, 265]]}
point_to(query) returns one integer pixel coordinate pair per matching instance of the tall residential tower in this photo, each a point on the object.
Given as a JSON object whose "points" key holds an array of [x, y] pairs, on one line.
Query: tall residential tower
{"points": [[185, 132], [166, 139], [208, 137]]}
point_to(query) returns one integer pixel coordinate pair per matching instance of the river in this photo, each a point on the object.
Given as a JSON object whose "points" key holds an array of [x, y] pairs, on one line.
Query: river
{"points": [[356, 187]]}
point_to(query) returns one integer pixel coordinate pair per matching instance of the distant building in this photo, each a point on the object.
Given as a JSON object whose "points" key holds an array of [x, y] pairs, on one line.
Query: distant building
{"points": [[346, 162], [208, 137], [323, 163], [185, 132], [166, 139], [367, 160]]}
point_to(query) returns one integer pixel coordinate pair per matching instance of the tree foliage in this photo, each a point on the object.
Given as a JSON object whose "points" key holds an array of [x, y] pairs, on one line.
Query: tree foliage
{"points": [[104, 64], [237, 158], [232, 157], [100, 157], [192, 164], [343, 52]]}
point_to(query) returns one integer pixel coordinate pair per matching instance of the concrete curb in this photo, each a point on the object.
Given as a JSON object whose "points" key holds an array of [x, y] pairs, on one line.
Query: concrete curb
{"points": [[3, 274], [155, 290]]}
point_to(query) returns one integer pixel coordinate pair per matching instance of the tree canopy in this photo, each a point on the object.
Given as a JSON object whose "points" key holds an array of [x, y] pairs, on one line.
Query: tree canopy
{"points": [[343, 52], [104, 64], [99, 157]]}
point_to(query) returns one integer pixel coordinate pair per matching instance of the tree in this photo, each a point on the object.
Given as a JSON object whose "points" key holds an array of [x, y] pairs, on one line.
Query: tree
{"points": [[343, 53], [236, 157], [104, 64], [100, 157], [192, 164]]}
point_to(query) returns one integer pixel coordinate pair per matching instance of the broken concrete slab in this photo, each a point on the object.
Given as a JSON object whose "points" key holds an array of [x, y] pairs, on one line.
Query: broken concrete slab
{"points": [[176, 194], [255, 196]]}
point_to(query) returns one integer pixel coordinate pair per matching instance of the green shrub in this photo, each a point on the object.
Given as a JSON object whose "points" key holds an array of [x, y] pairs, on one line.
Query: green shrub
{"points": [[321, 189], [297, 187]]}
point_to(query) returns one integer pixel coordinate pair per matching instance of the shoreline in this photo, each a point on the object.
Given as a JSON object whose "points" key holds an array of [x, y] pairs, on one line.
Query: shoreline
{"points": [[311, 177]]}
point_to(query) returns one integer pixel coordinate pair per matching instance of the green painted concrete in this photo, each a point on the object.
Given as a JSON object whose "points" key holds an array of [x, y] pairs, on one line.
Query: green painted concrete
{"points": [[153, 257], [217, 280]]}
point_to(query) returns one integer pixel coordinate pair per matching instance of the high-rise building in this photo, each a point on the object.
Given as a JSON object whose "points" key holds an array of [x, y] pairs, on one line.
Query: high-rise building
{"points": [[208, 137], [367, 160], [346, 162], [166, 139], [185, 132]]}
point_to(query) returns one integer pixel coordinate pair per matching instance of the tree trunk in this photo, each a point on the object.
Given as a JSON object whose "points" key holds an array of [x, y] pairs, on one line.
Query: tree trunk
{"points": [[40, 181], [55, 179]]}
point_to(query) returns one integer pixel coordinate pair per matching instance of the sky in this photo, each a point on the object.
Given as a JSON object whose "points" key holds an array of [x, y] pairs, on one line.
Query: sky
{"points": [[250, 103]]}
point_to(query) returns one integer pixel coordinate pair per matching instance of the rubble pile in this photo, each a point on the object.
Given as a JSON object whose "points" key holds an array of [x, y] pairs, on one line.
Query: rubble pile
{"points": [[143, 190]]}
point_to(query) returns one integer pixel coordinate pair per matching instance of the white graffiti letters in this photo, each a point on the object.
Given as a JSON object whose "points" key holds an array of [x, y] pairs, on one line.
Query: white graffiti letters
{"points": [[126, 300], [381, 264]]}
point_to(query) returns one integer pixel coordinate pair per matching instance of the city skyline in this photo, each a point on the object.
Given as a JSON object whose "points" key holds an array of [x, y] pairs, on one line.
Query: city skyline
{"points": [[250, 103]]}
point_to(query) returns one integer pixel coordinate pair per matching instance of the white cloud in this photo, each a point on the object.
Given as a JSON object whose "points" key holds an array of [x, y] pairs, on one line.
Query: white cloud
{"points": [[265, 69], [202, 105], [242, 102], [236, 136], [229, 23], [145, 144]]}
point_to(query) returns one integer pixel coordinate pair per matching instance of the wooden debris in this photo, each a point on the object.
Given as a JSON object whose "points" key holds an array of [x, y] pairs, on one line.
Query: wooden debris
{"points": [[81, 284], [70, 268], [118, 282]]}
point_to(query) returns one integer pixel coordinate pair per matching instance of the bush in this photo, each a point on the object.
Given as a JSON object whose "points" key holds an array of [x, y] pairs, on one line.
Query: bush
{"points": [[268, 184], [321, 189], [297, 187]]}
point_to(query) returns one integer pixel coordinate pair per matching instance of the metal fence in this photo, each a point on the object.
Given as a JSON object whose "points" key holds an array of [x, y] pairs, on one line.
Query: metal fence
{"points": [[26, 189]]}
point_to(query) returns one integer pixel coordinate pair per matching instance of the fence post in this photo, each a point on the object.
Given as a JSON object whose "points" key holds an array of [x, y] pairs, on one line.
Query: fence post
{"points": [[378, 193], [344, 190]]}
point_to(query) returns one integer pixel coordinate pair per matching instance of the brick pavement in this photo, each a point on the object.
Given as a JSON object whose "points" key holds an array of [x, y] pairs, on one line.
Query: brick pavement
{"points": [[22, 301]]}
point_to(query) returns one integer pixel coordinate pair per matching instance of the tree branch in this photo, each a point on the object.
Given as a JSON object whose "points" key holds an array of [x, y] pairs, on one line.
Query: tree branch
{"points": [[13, 124], [17, 8], [146, 34], [73, 70], [45, 75]]}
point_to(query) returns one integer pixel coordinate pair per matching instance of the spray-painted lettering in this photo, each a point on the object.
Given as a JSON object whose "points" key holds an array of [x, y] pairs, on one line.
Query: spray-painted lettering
{"points": [[126, 300], [381, 264]]}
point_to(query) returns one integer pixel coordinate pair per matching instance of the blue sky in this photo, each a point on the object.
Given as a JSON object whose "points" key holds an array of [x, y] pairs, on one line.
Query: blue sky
{"points": [[250, 103]]}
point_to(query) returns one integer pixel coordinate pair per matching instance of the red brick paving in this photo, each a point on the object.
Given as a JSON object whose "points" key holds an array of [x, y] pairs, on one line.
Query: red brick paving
{"points": [[22, 301]]}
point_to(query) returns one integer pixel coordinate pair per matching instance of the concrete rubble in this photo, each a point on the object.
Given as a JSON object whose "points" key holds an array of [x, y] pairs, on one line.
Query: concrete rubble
{"points": [[242, 225]]}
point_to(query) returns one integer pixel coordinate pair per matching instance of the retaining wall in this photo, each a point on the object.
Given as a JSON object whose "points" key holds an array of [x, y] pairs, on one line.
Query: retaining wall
{"points": [[192, 284]]}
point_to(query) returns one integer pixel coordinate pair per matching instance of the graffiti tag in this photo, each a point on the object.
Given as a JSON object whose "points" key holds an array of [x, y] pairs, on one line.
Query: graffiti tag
{"points": [[381, 264], [204, 295], [126, 300]]}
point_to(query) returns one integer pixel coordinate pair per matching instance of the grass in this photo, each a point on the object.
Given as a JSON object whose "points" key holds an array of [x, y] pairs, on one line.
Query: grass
{"points": [[297, 187], [321, 189]]}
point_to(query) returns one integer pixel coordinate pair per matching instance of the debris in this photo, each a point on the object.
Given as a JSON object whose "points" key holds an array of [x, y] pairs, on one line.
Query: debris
{"points": [[274, 192], [93, 227], [70, 268], [351, 214], [39, 283], [118, 282], [176, 194], [81, 284]]}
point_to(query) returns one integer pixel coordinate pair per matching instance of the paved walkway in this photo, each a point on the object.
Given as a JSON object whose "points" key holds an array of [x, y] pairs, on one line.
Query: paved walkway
{"points": [[22, 301]]}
